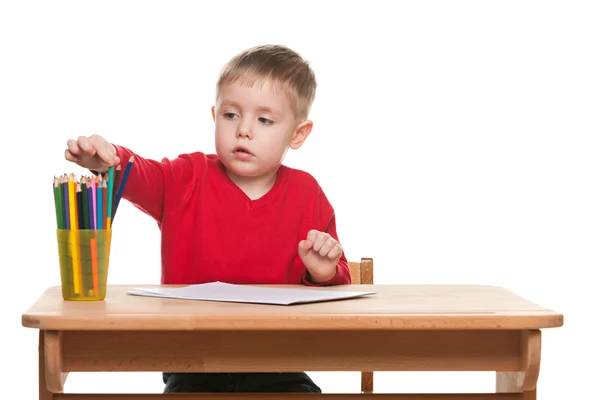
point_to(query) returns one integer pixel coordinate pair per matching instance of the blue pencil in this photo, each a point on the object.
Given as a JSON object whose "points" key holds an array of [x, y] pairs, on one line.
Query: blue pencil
{"points": [[122, 185]]}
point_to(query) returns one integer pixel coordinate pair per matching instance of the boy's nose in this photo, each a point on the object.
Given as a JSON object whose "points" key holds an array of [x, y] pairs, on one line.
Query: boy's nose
{"points": [[243, 132]]}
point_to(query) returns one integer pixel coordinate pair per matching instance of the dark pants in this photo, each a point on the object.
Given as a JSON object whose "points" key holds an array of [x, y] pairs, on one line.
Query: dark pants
{"points": [[294, 382]]}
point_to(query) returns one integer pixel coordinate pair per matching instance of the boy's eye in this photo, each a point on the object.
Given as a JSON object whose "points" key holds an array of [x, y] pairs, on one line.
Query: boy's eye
{"points": [[265, 121], [229, 115]]}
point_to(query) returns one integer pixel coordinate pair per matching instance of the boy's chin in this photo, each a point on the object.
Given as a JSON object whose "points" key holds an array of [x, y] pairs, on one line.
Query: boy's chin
{"points": [[240, 169], [246, 171]]}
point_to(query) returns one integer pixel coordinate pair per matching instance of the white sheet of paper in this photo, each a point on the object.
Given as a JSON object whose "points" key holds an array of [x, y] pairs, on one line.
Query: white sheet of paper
{"points": [[227, 292]]}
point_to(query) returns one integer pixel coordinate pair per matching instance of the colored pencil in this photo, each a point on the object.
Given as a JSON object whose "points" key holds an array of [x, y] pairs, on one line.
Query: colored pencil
{"points": [[80, 213], [93, 240], [90, 201], [94, 257], [74, 241], [111, 177], [123, 183], [61, 197], [104, 205], [94, 202], [57, 204], [71, 202], [99, 224], [117, 180], [85, 204], [65, 186]]}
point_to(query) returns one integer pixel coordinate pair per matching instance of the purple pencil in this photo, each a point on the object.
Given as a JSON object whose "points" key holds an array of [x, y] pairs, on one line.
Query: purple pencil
{"points": [[65, 187], [90, 201]]}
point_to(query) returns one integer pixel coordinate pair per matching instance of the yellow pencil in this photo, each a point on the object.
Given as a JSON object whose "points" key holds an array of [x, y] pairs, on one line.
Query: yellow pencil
{"points": [[73, 234]]}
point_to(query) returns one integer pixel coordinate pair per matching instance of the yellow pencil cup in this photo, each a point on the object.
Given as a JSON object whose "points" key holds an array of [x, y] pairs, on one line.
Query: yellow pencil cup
{"points": [[84, 257]]}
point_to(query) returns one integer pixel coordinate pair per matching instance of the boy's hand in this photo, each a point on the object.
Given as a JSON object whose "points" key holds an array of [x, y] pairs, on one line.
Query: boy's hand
{"points": [[320, 254], [93, 153]]}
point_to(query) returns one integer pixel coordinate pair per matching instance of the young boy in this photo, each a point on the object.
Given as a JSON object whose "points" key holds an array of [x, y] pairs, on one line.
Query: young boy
{"points": [[239, 215]]}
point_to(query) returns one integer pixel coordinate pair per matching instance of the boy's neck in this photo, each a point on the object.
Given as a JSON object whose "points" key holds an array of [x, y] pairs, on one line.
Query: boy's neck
{"points": [[254, 187]]}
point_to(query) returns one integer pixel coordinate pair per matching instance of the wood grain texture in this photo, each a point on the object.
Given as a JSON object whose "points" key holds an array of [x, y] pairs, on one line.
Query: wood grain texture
{"points": [[55, 377], [394, 307], [43, 392], [401, 328], [362, 273], [526, 379], [251, 351]]}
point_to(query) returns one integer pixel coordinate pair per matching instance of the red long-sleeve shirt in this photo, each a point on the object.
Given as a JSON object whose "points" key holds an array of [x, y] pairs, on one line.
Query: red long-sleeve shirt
{"points": [[212, 231]]}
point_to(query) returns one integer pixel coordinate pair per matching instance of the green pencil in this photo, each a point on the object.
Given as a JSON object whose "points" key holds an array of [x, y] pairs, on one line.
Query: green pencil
{"points": [[111, 177], [57, 204]]}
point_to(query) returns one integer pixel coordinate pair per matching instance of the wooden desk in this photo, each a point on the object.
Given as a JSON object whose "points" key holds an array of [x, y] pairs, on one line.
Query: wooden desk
{"points": [[402, 328]]}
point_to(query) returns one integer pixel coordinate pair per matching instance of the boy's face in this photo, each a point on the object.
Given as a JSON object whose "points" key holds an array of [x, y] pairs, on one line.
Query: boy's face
{"points": [[254, 127]]}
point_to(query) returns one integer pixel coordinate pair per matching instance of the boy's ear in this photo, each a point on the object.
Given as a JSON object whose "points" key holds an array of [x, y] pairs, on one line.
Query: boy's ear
{"points": [[302, 132], [212, 109]]}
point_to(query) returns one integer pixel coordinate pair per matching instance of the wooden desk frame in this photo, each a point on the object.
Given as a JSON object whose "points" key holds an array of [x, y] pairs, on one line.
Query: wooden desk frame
{"points": [[411, 343]]}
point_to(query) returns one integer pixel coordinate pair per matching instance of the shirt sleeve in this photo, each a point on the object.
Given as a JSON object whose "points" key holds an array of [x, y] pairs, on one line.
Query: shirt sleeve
{"points": [[152, 184], [342, 274]]}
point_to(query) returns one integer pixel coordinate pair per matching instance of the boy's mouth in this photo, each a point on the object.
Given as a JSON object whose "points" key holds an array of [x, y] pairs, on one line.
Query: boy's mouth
{"points": [[241, 149]]}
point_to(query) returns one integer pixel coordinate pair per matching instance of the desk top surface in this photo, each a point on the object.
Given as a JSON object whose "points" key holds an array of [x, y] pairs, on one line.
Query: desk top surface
{"points": [[393, 307]]}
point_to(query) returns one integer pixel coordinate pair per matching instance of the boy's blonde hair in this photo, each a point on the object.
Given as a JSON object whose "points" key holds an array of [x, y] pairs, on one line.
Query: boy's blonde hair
{"points": [[278, 64]]}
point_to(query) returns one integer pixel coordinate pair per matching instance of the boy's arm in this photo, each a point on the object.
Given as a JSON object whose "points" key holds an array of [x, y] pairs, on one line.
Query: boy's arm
{"points": [[342, 274], [150, 182], [326, 217]]}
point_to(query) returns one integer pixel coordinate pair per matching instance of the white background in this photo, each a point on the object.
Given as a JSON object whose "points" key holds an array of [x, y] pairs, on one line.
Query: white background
{"points": [[457, 140]]}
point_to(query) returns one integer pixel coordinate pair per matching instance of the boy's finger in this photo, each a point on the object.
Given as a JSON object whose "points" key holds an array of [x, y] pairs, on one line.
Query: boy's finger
{"points": [[106, 153], [304, 247], [319, 241], [312, 235], [327, 247], [70, 156], [335, 252], [106, 157], [86, 145], [73, 147]]}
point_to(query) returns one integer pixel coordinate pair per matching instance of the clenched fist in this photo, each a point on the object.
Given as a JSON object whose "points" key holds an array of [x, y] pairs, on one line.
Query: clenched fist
{"points": [[320, 254], [93, 153]]}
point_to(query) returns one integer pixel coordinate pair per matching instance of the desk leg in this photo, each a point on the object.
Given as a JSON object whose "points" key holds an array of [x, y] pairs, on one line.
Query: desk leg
{"points": [[366, 384], [44, 393], [524, 381], [504, 384], [52, 378]]}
